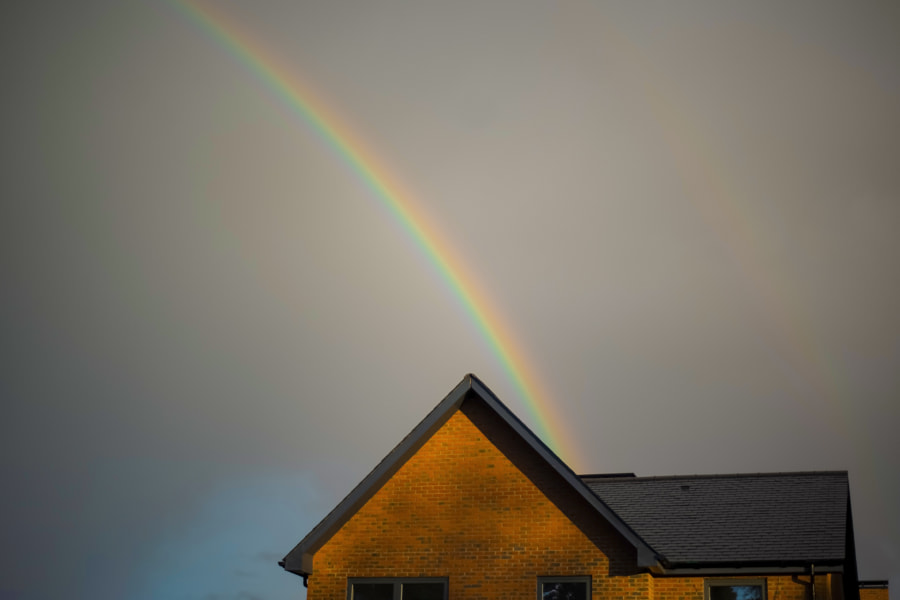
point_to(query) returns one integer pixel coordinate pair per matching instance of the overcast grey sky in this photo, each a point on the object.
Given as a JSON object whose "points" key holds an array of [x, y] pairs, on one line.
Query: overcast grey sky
{"points": [[687, 213]]}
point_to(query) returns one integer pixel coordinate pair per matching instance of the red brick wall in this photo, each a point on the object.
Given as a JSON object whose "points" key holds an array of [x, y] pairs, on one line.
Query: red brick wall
{"points": [[459, 508]]}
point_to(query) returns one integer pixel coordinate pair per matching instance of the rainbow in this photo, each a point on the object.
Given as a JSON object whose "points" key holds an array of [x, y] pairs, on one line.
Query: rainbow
{"points": [[387, 189]]}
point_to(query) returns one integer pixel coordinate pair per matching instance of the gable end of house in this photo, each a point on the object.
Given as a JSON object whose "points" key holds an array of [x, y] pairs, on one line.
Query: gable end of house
{"points": [[516, 442]]}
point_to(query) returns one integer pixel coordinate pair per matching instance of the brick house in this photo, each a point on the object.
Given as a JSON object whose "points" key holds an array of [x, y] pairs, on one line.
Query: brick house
{"points": [[471, 505]]}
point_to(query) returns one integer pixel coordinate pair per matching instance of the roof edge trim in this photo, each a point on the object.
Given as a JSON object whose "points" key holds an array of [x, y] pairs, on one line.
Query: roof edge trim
{"points": [[300, 557], [647, 556]]}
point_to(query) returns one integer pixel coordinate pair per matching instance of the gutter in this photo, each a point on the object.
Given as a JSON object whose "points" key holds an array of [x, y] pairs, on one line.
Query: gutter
{"points": [[745, 568], [302, 574]]}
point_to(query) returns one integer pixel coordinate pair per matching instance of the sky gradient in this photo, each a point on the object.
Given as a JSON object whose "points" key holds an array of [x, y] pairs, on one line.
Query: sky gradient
{"points": [[212, 327]]}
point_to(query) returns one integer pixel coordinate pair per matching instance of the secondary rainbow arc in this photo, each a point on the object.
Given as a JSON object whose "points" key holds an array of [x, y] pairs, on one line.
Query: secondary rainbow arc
{"points": [[388, 190]]}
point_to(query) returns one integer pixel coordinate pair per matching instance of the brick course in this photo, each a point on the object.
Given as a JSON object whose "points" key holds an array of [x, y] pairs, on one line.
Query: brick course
{"points": [[778, 587], [873, 593]]}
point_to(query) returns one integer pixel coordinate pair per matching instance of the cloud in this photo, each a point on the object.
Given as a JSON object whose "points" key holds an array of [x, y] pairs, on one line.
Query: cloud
{"points": [[270, 557], [242, 595], [244, 573]]}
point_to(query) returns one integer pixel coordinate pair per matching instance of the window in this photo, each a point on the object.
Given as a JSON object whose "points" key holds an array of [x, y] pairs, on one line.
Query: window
{"points": [[420, 588], [735, 589], [564, 588]]}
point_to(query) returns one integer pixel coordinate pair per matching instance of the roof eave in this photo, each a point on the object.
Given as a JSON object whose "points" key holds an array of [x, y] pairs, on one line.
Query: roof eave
{"points": [[647, 556], [745, 567], [299, 559]]}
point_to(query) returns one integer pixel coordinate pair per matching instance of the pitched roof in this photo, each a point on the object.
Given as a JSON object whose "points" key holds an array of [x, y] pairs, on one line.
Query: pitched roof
{"points": [[470, 389], [713, 520]]}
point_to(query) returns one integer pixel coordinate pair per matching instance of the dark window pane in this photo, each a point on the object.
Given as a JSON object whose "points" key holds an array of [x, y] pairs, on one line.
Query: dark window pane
{"points": [[564, 590], [735, 592], [423, 591], [373, 591]]}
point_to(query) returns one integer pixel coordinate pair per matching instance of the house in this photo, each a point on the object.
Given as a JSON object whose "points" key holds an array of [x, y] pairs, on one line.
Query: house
{"points": [[471, 504]]}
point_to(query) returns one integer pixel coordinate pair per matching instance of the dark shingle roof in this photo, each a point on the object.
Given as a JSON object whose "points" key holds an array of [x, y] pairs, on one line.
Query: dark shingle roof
{"points": [[765, 518]]}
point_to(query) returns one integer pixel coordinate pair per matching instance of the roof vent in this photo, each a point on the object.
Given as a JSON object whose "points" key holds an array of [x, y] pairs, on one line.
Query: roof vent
{"points": [[685, 487]]}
